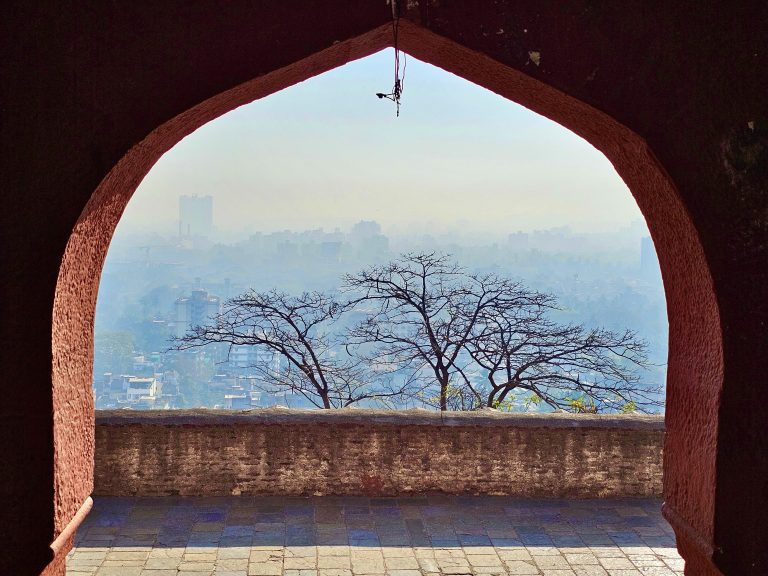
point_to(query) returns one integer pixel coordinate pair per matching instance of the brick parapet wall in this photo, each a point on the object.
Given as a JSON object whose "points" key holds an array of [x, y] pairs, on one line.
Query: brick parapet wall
{"points": [[294, 452]]}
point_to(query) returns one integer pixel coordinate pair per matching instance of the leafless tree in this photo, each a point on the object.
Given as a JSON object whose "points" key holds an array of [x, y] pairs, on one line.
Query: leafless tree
{"points": [[428, 316], [565, 366], [301, 331], [423, 308]]}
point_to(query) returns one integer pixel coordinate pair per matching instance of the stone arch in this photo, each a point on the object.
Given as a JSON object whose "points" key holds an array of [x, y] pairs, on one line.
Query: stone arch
{"points": [[695, 352]]}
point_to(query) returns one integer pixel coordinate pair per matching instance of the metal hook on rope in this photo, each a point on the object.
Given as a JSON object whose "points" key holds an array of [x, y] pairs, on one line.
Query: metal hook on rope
{"points": [[397, 88]]}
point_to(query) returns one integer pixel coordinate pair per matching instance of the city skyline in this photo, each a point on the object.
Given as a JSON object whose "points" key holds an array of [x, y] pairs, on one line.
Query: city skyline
{"points": [[314, 154], [290, 194]]}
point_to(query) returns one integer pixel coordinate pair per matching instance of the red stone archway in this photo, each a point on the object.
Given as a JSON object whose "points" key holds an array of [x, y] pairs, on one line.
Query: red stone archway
{"points": [[695, 357], [92, 95]]}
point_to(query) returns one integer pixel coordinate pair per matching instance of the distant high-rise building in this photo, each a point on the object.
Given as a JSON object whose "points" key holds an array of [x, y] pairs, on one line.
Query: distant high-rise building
{"points": [[195, 215], [365, 229], [195, 310], [243, 359], [368, 240]]}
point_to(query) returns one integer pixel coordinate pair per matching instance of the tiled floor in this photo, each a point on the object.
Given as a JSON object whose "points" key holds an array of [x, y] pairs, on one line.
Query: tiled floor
{"points": [[329, 536]]}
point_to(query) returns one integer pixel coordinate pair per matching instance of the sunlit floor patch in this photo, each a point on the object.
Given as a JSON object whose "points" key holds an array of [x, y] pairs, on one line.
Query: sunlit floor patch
{"points": [[346, 536]]}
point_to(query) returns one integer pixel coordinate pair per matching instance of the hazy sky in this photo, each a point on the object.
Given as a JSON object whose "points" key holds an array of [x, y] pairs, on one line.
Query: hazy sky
{"points": [[327, 153]]}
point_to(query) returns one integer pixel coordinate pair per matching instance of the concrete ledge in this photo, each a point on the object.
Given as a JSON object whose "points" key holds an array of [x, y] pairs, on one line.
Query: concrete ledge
{"points": [[364, 416], [376, 452]]}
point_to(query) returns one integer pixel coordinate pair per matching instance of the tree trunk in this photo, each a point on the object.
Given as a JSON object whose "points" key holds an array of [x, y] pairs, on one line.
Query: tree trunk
{"points": [[504, 391], [443, 397], [443, 379]]}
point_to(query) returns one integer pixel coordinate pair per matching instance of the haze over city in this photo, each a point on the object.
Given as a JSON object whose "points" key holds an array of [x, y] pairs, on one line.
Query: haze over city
{"points": [[327, 153], [321, 180]]}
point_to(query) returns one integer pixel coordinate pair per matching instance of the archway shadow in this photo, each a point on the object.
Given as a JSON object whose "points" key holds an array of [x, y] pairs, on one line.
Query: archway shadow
{"points": [[695, 352]]}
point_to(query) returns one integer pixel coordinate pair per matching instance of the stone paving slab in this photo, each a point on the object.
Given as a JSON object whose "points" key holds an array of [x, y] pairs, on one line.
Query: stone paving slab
{"points": [[359, 536]]}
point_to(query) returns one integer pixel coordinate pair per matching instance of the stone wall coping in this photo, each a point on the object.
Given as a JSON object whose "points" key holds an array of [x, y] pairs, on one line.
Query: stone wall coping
{"points": [[361, 416]]}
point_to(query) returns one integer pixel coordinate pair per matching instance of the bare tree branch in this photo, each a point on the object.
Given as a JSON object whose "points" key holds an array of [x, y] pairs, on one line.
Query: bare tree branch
{"points": [[301, 330], [458, 329], [422, 309]]}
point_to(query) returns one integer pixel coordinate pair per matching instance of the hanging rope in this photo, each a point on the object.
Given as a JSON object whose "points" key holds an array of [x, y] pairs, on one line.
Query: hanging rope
{"points": [[397, 88]]}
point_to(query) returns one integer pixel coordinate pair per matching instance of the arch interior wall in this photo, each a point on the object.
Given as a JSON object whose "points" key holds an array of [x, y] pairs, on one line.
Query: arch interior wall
{"points": [[94, 96]]}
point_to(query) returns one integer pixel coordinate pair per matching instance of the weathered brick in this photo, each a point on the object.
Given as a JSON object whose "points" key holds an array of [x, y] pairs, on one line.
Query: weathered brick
{"points": [[205, 453]]}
